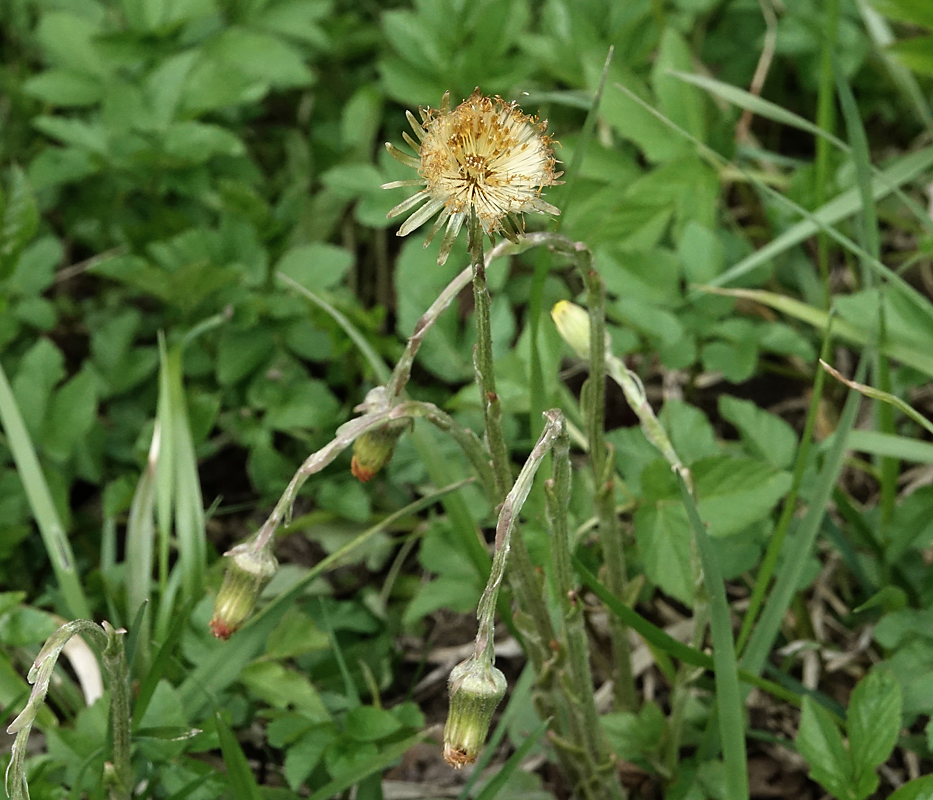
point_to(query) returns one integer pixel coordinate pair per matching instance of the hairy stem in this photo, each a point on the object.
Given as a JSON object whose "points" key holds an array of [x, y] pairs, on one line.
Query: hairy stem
{"points": [[594, 409]]}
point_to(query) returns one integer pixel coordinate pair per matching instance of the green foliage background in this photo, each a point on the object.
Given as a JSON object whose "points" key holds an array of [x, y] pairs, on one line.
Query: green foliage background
{"points": [[164, 160]]}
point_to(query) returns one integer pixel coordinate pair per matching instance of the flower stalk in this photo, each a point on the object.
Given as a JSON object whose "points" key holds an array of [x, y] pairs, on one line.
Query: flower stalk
{"points": [[579, 680], [118, 773], [594, 410]]}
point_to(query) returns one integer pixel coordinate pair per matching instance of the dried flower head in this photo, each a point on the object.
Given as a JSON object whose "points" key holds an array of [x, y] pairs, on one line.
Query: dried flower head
{"points": [[485, 156]]}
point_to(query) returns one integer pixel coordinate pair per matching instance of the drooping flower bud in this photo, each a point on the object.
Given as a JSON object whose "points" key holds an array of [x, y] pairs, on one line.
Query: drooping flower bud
{"points": [[373, 449], [249, 570], [476, 687], [573, 324]]}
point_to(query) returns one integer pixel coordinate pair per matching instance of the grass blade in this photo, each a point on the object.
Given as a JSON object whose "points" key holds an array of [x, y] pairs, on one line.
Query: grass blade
{"points": [[728, 696], [785, 587], [40, 501], [819, 319], [892, 446], [240, 778]]}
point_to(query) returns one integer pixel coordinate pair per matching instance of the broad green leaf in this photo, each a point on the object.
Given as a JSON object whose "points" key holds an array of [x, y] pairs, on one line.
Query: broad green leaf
{"points": [[92, 137], [916, 53], [918, 12], [242, 352], [71, 414], [317, 266], [196, 142], [631, 120], [635, 737], [39, 372], [35, 267], [64, 87], [663, 535], [368, 724], [164, 87], [681, 103], [67, 41], [765, 435], [296, 19], [418, 281], [352, 180], [873, 723], [262, 57], [919, 789], [733, 494], [690, 431], [820, 743], [281, 687], [302, 757]]}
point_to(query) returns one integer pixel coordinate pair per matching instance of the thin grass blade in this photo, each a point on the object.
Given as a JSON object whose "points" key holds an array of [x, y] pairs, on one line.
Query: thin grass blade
{"points": [[40, 500]]}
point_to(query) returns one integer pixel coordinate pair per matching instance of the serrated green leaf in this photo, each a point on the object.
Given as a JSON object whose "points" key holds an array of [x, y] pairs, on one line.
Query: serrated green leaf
{"points": [[820, 743], [873, 723], [20, 219], [765, 435]]}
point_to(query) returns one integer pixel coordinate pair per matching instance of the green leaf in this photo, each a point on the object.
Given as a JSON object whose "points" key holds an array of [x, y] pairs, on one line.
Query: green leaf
{"points": [[306, 754], [196, 142], [71, 414], [873, 723], [682, 103], [663, 536], [733, 494], [919, 12], [316, 266], [820, 743], [87, 136], [240, 353], [691, 432], [916, 53], [261, 57], [39, 372], [64, 87], [919, 789], [67, 41], [283, 688], [352, 180], [765, 435], [20, 218], [635, 737], [368, 724]]}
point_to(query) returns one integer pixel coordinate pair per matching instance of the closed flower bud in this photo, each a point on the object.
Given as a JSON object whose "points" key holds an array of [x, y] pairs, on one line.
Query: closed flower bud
{"points": [[373, 449], [573, 324], [476, 687], [249, 570]]}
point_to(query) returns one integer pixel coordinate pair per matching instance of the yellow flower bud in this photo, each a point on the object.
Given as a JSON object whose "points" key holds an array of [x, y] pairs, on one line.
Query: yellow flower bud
{"points": [[573, 324], [249, 570], [476, 687]]}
